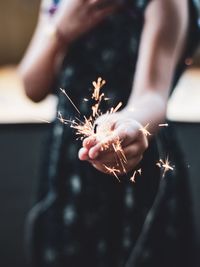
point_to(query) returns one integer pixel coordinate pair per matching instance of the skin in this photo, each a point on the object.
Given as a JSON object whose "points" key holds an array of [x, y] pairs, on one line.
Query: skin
{"points": [[162, 44]]}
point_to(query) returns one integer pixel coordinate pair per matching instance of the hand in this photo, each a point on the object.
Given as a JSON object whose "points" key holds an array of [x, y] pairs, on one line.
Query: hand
{"points": [[75, 17], [122, 129]]}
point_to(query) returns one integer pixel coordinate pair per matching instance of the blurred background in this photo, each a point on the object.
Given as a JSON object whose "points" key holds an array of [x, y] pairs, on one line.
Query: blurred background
{"points": [[23, 130]]}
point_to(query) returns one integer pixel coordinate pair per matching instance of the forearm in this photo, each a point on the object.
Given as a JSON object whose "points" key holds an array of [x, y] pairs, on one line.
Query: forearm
{"points": [[162, 44], [41, 62], [148, 109]]}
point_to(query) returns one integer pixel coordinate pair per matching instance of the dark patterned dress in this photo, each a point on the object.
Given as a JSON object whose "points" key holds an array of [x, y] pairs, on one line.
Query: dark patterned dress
{"points": [[86, 218]]}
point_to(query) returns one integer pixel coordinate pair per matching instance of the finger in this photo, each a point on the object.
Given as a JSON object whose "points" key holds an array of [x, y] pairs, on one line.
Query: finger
{"points": [[114, 169], [122, 158], [83, 154], [122, 135], [127, 133], [102, 4], [101, 13], [130, 151], [134, 150], [89, 142], [132, 164], [95, 151]]}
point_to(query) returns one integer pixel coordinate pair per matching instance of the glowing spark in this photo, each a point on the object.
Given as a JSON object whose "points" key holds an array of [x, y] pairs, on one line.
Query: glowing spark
{"points": [[113, 110], [112, 171], [42, 120], [84, 129], [132, 179], [95, 110], [97, 87], [64, 92], [62, 120], [118, 149], [165, 165], [60, 117], [85, 99], [144, 130], [163, 125]]}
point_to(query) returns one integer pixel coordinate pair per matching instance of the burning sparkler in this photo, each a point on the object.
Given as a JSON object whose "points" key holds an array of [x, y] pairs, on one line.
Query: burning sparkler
{"points": [[87, 127]]}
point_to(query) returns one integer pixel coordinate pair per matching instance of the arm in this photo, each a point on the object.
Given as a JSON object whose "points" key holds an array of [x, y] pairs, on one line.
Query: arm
{"points": [[42, 61], [162, 44]]}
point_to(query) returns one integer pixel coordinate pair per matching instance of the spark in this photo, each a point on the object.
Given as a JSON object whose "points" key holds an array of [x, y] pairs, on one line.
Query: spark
{"points": [[42, 120], [139, 171], [113, 110], [97, 87], [64, 92], [83, 129], [95, 110], [120, 155], [144, 130], [163, 125], [165, 165], [112, 171], [62, 120]]}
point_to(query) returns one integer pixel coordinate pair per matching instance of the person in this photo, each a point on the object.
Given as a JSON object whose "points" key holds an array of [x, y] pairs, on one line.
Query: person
{"points": [[83, 216]]}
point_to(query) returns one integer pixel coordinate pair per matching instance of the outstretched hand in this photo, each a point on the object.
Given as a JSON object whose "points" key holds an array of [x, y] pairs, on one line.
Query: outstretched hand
{"points": [[99, 150]]}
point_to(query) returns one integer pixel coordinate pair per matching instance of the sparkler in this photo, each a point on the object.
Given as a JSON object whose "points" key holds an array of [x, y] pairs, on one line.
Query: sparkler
{"points": [[88, 128], [165, 165]]}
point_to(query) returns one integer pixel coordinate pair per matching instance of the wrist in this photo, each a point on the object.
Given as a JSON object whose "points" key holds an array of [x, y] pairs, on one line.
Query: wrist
{"points": [[56, 37]]}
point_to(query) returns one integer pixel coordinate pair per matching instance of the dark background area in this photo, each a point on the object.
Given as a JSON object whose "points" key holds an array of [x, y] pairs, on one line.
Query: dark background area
{"points": [[21, 146]]}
